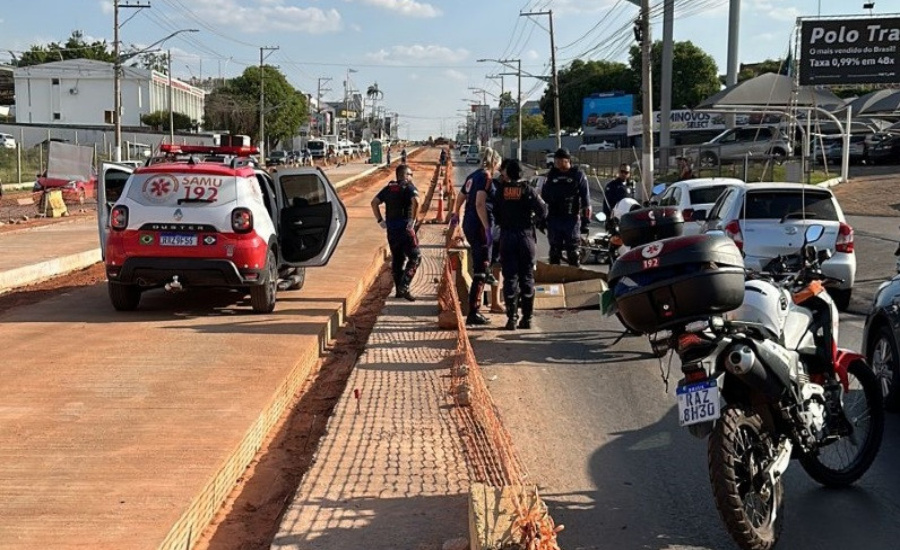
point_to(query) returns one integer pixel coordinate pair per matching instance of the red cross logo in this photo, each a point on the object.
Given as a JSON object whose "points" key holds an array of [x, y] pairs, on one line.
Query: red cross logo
{"points": [[651, 250]]}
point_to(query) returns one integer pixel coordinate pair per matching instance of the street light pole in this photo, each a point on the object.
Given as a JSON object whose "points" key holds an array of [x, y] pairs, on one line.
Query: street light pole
{"points": [[117, 78], [262, 101], [553, 68], [171, 101]]}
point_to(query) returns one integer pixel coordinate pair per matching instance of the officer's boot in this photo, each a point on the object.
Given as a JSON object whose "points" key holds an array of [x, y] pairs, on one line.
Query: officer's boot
{"points": [[527, 311], [572, 257], [512, 312]]}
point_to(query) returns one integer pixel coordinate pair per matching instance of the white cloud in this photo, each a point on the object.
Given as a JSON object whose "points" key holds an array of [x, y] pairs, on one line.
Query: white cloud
{"points": [[355, 28], [455, 75], [533, 55], [106, 7], [774, 11], [410, 8], [413, 76], [270, 15], [785, 14], [400, 55]]}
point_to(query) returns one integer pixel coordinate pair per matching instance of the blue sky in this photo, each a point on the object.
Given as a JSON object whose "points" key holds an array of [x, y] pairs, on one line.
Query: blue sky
{"points": [[422, 53]]}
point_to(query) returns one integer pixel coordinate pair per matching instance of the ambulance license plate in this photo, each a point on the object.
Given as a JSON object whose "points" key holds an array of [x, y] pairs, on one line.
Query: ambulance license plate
{"points": [[177, 239], [698, 403]]}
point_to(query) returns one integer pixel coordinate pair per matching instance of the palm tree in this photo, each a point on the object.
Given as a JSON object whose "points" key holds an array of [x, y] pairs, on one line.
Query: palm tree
{"points": [[374, 93]]}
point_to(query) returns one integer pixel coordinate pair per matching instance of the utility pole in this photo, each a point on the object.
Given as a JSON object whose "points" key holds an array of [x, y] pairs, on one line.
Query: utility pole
{"points": [[554, 77], [117, 77], [665, 99], [319, 90], [262, 101], [171, 101], [647, 107], [734, 28], [347, 105]]}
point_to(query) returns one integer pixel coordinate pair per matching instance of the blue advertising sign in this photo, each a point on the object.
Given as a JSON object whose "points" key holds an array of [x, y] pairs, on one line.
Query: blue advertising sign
{"points": [[507, 113], [607, 110]]}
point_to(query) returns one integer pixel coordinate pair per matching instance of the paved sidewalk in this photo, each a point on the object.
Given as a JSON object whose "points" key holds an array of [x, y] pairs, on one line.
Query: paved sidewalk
{"points": [[390, 472], [36, 254]]}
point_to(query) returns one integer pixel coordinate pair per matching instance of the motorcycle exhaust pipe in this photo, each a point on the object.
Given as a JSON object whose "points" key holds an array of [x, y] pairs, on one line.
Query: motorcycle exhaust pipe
{"points": [[743, 362]]}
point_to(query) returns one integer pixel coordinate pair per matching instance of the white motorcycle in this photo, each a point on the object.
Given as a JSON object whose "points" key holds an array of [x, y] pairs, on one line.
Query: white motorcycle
{"points": [[762, 374]]}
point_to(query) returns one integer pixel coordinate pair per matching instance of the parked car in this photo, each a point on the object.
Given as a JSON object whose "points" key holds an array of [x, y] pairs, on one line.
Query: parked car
{"points": [[219, 222], [601, 146], [73, 189], [833, 147], [462, 150], [737, 143], [473, 154], [881, 338], [7, 141], [694, 196], [768, 219], [277, 158]]}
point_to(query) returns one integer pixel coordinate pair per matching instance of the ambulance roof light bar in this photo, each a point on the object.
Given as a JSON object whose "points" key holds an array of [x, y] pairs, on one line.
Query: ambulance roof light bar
{"points": [[241, 151]]}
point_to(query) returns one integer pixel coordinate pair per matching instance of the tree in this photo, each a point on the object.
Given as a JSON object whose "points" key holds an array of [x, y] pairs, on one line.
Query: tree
{"points": [[533, 126], [694, 74], [74, 48], [506, 100], [235, 106], [581, 79], [159, 120]]}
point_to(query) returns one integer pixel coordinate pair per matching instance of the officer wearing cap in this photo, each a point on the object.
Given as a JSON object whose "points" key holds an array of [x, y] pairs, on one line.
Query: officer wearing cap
{"points": [[569, 203], [401, 200], [518, 208]]}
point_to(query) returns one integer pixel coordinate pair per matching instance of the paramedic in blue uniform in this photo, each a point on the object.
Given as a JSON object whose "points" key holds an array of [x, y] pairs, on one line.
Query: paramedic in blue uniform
{"points": [[518, 210], [569, 203], [401, 200], [477, 196]]}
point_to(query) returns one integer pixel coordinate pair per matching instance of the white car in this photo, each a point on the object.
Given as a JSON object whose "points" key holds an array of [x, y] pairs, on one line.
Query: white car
{"points": [[694, 195], [207, 216], [7, 141], [601, 146], [769, 219]]}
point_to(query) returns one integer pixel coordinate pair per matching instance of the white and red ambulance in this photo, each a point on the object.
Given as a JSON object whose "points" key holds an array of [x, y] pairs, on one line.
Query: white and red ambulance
{"points": [[208, 216]]}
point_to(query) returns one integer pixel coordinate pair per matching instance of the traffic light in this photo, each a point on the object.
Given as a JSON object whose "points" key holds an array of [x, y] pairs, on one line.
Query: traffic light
{"points": [[638, 31]]}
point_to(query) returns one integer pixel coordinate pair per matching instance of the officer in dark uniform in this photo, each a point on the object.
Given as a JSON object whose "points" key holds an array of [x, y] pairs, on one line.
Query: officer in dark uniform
{"points": [[518, 209], [477, 194], [617, 189], [569, 203], [401, 200]]}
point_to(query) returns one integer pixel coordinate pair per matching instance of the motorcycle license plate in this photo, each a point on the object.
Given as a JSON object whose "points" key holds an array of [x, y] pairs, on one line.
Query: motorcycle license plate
{"points": [[177, 239], [698, 403]]}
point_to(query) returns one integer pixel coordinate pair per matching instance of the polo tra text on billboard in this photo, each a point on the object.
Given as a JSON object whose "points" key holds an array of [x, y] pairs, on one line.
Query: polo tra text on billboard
{"points": [[876, 33]]}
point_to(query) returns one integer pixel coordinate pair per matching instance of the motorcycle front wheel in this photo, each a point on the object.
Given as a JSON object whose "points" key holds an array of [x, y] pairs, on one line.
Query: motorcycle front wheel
{"points": [[841, 462], [740, 450]]}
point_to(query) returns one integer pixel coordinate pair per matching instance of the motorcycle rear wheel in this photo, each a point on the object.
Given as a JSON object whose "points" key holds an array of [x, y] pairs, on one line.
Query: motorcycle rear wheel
{"points": [[739, 451], [844, 461]]}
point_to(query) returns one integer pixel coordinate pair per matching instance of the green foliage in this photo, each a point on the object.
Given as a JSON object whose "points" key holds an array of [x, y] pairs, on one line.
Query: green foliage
{"points": [[159, 120], [752, 70], [74, 48], [235, 106], [694, 73], [506, 100], [533, 127], [581, 79]]}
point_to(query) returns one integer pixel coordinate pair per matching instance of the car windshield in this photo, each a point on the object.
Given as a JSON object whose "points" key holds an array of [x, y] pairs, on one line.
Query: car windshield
{"points": [[703, 195], [278, 154], [779, 205]]}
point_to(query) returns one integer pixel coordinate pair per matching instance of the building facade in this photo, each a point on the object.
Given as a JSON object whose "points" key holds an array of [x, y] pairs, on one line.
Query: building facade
{"points": [[79, 92]]}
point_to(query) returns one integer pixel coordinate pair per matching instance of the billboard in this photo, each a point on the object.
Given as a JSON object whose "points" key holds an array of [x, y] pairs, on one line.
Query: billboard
{"points": [[606, 113], [849, 51], [684, 120]]}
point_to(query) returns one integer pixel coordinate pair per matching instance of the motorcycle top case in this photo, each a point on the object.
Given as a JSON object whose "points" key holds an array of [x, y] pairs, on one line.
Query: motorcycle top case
{"points": [[677, 280], [646, 225]]}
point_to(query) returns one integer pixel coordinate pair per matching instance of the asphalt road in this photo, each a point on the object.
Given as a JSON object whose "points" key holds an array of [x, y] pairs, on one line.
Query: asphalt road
{"points": [[596, 427]]}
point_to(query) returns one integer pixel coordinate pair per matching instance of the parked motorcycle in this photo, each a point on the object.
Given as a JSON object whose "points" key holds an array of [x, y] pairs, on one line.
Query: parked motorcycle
{"points": [[595, 245], [762, 374]]}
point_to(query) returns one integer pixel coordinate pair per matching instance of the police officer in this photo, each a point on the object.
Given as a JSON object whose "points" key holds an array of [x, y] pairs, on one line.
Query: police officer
{"points": [[569, 202], [401, 200], [617, 189], [477, 195], [518, 208]]}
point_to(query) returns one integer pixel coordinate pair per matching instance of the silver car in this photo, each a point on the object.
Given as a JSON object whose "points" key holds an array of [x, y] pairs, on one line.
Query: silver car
{"points": [[755, 142], [769, 219]]}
